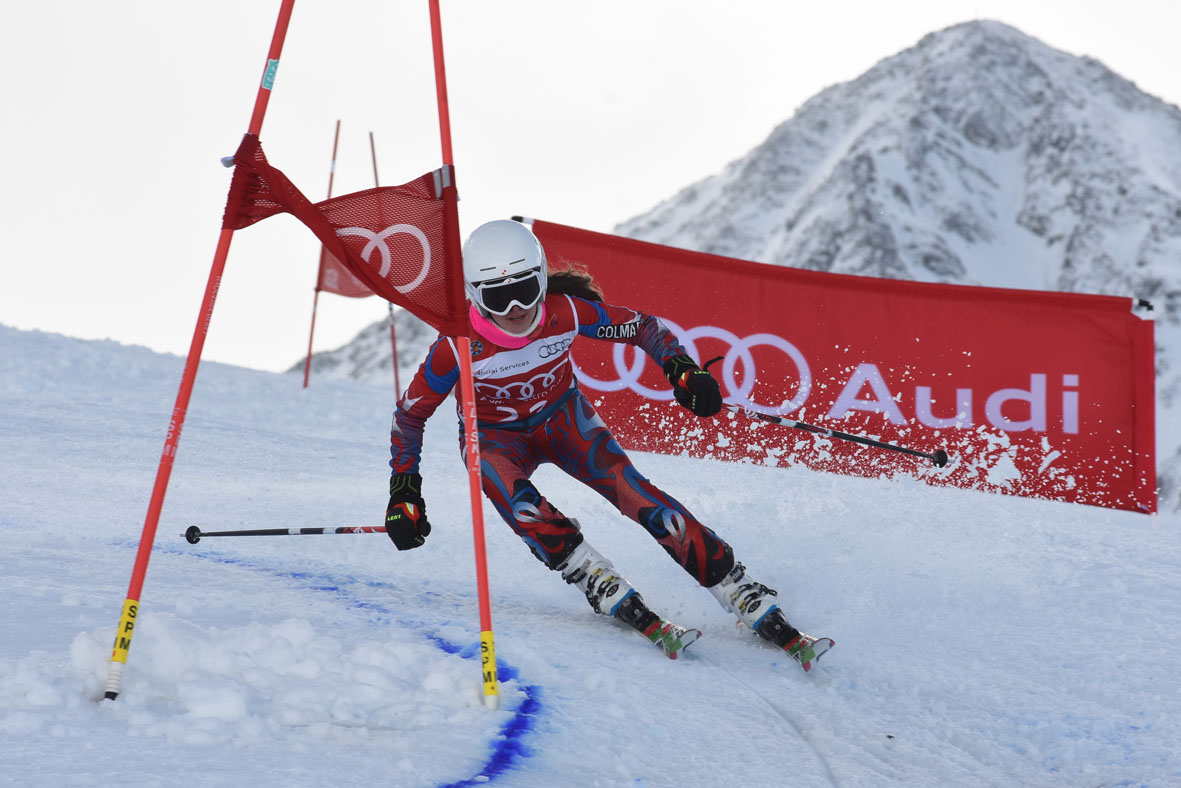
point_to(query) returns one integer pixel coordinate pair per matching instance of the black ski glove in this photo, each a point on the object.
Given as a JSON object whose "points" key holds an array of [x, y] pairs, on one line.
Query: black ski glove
{"points": [[693, 386], [405, 517]]}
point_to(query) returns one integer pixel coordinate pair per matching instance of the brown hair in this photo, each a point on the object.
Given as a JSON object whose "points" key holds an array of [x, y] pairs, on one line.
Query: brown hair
{"points": [[573, 280]]}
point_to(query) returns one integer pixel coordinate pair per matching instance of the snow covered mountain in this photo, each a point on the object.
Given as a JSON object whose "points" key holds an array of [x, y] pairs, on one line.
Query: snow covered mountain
{"points": [[979, 156], [368, 357]]}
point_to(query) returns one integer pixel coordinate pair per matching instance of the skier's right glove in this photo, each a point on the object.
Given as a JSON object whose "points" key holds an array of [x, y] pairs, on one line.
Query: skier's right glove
{"points": [[405, 517]]}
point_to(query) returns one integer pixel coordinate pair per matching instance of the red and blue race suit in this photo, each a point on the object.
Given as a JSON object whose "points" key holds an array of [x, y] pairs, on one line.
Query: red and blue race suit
{"points": [[530, 411]]}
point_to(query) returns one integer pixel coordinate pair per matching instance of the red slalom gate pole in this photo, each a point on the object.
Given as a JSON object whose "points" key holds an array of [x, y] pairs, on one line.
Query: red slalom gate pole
{"points": [[394, 350], [127, 620], [467, 397], [307, 365]]}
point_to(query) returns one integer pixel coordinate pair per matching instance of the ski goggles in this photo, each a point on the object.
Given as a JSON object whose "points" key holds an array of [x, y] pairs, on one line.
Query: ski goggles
{"points": [[499, 296]]}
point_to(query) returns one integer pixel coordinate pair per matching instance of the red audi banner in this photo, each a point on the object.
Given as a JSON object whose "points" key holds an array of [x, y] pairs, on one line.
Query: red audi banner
{"points": [[1039, 394], [335, 277], [402, 242]]}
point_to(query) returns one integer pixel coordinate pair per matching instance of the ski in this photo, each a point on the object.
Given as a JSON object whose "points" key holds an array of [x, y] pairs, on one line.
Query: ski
{"points": [[806, 649], [803, 648], [670, 638]]}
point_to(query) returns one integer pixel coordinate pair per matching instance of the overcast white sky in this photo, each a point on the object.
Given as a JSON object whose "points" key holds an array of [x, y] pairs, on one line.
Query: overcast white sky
{"points": [[113, 117]]}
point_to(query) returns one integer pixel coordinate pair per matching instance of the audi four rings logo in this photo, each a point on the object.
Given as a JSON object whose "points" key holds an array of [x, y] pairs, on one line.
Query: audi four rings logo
{"points": [[552, 349], [526, 389], [376, 241], [739, 351]]}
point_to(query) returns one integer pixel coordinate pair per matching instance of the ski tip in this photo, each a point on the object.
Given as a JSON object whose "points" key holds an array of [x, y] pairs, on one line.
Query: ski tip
{"points": [[670, 638], [687, 638], [817, 650]]}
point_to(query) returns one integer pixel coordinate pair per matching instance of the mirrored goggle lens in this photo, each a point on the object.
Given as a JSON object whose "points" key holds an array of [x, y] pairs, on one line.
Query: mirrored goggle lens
{"points": [[500, 298]]}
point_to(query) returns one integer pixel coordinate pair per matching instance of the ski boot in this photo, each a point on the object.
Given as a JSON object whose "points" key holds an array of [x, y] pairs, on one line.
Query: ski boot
{"points": [[755, 606], [596, 578], [611, 595], [803, 648], [670, 638]]}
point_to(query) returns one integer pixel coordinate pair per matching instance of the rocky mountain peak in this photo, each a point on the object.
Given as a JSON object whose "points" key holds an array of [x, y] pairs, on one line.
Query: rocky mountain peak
{"points": [[978, 156]]}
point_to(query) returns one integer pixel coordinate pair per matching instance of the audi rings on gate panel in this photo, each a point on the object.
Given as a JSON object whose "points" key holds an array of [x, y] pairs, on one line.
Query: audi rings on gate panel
{"points": [[739, 351], [377, 241]]}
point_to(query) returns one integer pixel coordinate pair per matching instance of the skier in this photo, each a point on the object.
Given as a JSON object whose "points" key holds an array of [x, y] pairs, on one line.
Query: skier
{"points": [[529, 411]]}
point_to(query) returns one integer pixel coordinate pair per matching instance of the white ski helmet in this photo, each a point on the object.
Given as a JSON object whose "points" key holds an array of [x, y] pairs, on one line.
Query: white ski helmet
{"points": [[504, 266]]}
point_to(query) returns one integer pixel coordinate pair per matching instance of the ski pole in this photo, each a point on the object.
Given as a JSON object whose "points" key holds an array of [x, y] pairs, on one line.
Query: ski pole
{"points": [[193, 533], [939, 457]]}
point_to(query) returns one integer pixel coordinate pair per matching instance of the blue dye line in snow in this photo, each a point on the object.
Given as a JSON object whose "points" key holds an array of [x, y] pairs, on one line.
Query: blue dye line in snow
{"points": [[509, 747]]}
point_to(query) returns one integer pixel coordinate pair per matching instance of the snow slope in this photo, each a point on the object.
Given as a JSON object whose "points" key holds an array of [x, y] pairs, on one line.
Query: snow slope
{"points": [[980, 640]]}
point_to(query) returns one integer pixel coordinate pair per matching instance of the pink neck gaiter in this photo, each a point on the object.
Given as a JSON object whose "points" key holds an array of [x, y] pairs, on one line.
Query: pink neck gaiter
{"points": [[495, 334]]}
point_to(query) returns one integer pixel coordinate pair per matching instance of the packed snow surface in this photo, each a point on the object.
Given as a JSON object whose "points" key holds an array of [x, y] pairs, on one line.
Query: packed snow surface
{"points": [[981, 640]]}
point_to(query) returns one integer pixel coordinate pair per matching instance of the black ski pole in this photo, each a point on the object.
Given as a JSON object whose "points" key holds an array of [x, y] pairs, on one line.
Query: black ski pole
{"points": [[193, 533], [939, 457]]}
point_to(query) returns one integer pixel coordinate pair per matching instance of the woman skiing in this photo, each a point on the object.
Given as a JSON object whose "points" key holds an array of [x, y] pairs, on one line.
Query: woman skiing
{"points": [[530, 411]]}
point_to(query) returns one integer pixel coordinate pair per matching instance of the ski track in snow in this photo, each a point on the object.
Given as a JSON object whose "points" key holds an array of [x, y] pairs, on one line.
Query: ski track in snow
{"points": [[981, 640]]}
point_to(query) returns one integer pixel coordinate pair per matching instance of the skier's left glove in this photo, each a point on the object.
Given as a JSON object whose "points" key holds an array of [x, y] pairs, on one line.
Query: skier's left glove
{"points": [[405, 517], [693, 386]]}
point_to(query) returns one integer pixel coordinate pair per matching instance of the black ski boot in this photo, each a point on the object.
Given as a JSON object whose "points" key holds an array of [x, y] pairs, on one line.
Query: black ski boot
{"points": [[665, 635], [804, 649]]}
